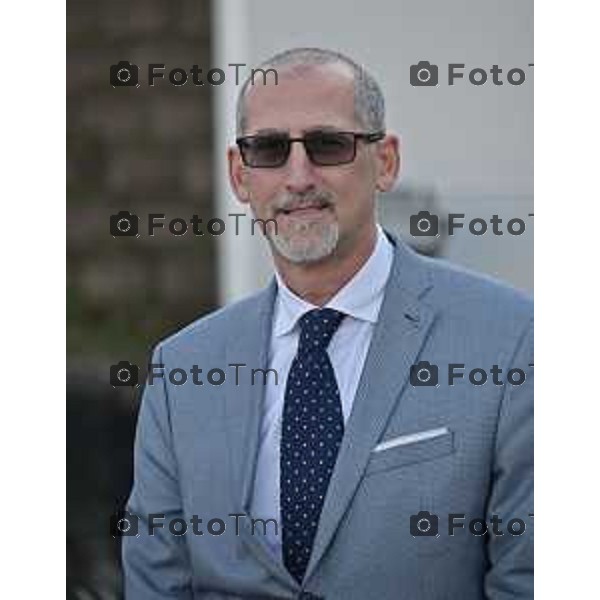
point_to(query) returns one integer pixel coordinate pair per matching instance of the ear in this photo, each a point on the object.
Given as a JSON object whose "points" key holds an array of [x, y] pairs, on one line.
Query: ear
{"points": [[237, 174], [388, 164]]}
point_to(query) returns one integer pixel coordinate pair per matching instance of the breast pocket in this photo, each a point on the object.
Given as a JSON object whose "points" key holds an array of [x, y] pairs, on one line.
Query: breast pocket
{"points": [[410, 448]]}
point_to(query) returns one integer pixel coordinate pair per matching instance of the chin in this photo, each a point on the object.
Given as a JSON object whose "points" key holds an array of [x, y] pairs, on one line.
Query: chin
{"points": [[307, 248]]}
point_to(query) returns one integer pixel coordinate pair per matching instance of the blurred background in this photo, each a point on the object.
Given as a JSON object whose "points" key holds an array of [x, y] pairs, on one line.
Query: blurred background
{"points": [[466, 149]]}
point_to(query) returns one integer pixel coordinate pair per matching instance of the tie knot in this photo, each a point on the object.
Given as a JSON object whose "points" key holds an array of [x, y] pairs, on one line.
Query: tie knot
{"points": [[317, 328]]}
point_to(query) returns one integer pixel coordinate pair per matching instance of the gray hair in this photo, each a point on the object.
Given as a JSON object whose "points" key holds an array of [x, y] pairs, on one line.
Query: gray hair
{"points": [[369, 105]]}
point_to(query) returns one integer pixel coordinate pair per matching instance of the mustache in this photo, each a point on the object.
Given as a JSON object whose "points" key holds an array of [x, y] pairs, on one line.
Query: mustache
{"points": [[289, 202]]}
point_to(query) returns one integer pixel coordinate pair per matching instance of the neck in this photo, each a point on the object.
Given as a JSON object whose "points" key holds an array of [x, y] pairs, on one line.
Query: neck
{"points": [[320, 281]]}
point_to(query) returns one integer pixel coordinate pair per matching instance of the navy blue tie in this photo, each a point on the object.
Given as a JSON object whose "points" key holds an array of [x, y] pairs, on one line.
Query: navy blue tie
{"points": [[311, 434]]}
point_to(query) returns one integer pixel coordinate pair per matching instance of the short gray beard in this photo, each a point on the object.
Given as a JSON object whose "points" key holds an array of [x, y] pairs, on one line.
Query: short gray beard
{"points": [[296, 243], [298, 249]]}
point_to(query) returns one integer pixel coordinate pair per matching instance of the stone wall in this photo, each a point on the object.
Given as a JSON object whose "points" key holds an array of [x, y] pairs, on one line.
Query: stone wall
{"points": [[144, 149]]}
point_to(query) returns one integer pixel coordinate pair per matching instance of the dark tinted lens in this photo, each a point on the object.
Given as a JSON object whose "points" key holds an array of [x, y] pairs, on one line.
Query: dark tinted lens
{"points": [[330, 148], [265, 150]]}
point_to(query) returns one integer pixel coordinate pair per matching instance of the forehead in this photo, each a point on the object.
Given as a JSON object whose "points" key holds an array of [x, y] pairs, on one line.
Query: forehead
{"points": [[305, 97]]}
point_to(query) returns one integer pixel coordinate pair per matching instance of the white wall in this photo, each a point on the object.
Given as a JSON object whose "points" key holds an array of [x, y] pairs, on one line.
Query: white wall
{"points": [[473, 145]]}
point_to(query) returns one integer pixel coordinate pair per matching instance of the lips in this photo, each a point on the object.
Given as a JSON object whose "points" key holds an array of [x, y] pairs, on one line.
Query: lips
{"points": [[306, 209]]}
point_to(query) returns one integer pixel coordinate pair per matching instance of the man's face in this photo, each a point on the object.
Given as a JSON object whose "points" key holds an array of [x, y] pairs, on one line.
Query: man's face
{"points": [[319, 209]]}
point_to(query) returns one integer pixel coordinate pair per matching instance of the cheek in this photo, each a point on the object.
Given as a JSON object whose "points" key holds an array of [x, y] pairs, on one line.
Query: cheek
{"points": [[359, 175], [263, 186], [352, 191]]}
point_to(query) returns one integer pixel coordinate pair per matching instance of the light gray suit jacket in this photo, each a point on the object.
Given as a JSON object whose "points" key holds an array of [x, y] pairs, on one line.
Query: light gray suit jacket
{"points": [[458, 448]]}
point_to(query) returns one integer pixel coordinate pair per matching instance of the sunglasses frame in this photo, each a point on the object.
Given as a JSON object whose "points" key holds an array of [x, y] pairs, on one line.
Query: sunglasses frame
{"points": [[367, 137]]}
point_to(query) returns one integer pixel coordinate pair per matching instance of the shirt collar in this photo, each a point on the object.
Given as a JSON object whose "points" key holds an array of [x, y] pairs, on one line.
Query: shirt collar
{"points": [[360, 298]]}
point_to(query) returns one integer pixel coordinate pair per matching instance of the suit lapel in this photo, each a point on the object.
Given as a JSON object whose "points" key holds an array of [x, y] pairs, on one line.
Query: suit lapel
{"points": [[249, 345], [243, 410], [400, 332]]}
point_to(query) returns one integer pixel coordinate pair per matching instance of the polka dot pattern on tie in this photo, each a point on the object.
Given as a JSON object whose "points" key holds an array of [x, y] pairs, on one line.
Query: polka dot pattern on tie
{"points": [[312, 430]]}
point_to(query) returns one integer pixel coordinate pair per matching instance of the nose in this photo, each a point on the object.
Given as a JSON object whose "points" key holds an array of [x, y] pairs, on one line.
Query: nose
{"points": [[300, 176]]}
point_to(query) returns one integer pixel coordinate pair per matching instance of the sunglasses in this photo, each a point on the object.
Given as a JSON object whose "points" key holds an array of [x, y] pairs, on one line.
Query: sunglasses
{"points": [[323, 148]]}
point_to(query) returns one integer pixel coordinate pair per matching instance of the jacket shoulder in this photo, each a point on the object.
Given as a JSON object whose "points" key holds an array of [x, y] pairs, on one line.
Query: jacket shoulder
{"points": [[475, 295], [218, 325]]}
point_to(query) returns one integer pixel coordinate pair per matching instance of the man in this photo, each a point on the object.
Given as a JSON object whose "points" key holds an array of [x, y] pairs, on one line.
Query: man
{"points": [[364, 480]]}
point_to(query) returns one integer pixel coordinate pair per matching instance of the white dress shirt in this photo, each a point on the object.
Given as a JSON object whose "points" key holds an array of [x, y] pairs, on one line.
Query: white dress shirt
{"points": [[360, 300]]}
